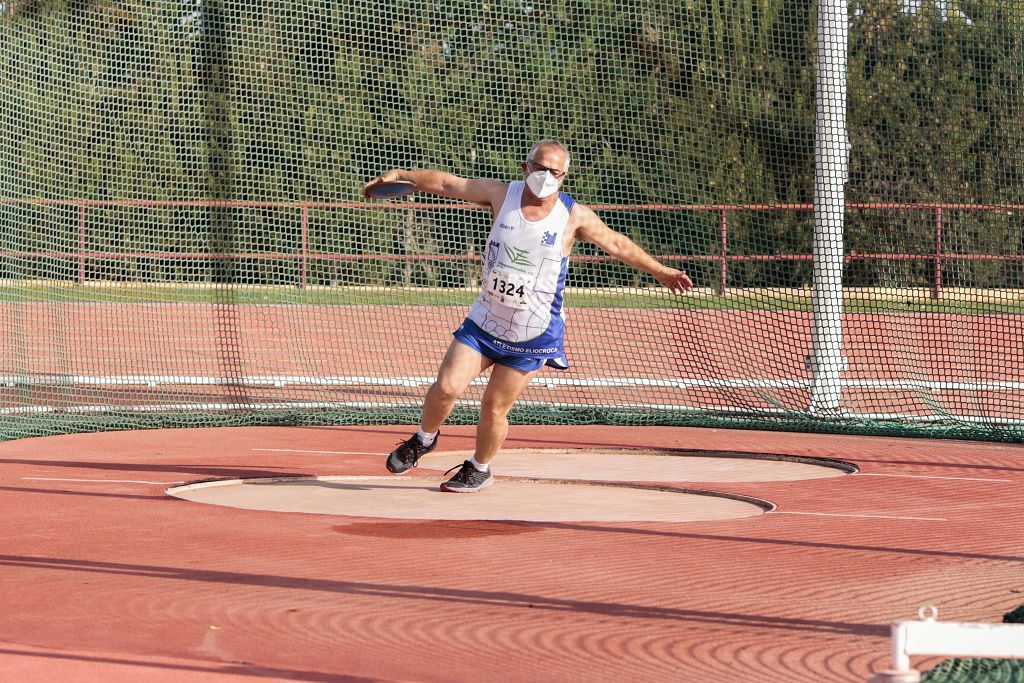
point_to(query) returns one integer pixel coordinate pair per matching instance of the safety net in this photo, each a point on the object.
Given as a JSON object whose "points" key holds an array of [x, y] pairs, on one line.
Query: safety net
{"points": [[183, 239]]}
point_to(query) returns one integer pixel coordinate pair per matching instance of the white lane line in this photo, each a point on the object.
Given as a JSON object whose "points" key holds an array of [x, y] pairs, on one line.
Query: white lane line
{"points": [[290, 450], [104, 481], [926, 476], [838, 514]]}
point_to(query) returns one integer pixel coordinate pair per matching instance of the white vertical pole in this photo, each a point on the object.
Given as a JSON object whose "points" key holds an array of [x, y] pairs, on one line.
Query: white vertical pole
{"points": [[831, 155], [900, 658]]}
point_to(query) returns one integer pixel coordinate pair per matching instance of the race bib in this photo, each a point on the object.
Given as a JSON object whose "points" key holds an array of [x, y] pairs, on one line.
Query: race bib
{"points": [[509, 289]]}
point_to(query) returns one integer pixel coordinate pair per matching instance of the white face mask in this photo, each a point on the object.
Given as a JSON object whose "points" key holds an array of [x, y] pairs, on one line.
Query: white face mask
{"points": [[542, 184]]}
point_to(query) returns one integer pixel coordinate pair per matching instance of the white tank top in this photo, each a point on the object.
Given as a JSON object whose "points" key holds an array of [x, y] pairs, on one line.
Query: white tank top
{"points": [[524, 272]]}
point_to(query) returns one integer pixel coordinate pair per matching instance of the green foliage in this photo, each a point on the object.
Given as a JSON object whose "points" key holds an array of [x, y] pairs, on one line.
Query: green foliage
{"points": [[936, 117], [692, 102]]}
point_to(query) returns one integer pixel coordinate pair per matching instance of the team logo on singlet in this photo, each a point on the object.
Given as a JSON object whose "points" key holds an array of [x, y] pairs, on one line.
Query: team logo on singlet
{"points": [[548, 240], [517, 257], [492, 254]]}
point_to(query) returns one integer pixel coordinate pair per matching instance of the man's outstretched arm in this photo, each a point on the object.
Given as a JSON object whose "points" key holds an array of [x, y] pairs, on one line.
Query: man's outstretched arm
{"points": [[591, 228], [485, 192]]}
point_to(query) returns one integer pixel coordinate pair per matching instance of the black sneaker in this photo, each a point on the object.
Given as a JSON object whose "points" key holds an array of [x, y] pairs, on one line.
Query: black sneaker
{"points": [[468, 479], [408, 455]]}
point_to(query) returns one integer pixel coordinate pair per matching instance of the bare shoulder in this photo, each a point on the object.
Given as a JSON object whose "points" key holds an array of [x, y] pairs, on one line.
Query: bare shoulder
{"points": [[581, 213], [485, 192], [583, 222]]}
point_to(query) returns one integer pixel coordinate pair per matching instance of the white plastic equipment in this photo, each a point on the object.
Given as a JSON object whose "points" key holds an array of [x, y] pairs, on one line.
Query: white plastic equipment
{"points": [[930, 637]]}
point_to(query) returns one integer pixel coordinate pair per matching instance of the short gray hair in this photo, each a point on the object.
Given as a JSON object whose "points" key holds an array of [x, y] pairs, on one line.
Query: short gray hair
{"points": [[549, 143]]}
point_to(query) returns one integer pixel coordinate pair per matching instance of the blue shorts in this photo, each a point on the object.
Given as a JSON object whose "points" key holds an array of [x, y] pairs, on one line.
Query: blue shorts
{"points": [[472, 336]]}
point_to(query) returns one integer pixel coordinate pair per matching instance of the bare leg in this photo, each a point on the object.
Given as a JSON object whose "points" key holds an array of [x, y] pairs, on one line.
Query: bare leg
{"points": [[461, 365], [504, 387]]}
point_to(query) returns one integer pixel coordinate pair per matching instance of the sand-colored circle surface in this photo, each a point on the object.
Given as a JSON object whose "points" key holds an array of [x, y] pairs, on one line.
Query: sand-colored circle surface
{"points": [[421, 498], [647, 465]]}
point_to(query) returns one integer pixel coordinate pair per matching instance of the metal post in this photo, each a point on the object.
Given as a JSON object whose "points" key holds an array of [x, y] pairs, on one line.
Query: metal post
{"points": [[723, 270], [304, 254], [831, 155], [81, 244], [937, 279], [410, 247]]}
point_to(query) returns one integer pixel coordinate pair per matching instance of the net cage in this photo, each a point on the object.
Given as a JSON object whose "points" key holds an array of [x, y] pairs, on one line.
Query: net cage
{"points": [[183, 241]]}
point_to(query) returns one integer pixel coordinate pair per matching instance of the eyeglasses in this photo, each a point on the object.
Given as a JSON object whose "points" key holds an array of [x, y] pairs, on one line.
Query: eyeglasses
{"points": [[540, 167]]}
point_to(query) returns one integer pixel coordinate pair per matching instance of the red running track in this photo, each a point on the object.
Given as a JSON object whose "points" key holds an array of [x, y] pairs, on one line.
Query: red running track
{"points": [[711, 347], [106, 578]]}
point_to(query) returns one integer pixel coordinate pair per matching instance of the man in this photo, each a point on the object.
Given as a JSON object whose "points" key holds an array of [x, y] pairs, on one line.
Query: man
{"points": [[516, 325]]}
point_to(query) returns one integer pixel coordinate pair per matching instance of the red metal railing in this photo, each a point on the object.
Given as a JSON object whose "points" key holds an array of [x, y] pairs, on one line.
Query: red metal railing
{"points": [[938, 257]]}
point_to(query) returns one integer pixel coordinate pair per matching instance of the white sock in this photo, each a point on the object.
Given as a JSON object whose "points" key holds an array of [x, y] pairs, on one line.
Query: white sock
{"points": [[480, 467], [425, 439]]}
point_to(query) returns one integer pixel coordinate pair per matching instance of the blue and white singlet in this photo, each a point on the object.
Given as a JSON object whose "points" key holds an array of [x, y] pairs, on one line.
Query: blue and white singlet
{"points": [[519, 310]]}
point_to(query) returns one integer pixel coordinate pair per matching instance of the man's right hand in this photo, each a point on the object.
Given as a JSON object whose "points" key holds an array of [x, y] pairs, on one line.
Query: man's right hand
{"points": [[391, 176]]}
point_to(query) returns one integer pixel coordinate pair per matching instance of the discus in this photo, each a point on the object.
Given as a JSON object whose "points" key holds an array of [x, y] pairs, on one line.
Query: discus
{"points": [[392, 189]]}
